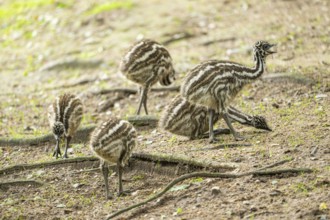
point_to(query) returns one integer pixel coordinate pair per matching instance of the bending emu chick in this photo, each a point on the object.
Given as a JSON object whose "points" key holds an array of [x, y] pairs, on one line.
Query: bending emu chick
{"points": [[145, 63], [214, 84], [64, 117], [113, 142], [187, 119]]}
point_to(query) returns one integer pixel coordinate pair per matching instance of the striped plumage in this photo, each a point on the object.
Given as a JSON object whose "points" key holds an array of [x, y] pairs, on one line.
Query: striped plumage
{"points": [[145, 63], [64, 117], [214, 83], [256, 121], [113, 141], [187, 119]]}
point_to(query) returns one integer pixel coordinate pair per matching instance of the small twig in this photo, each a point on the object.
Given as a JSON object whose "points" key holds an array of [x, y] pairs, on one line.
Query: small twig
{"points": [[275, 164], [291, 57], [115, 90], [208, 175], [5, 184], [177, 37], [85, 171], [325, 63], [71, 63], [313, 152], [207, 43], [222, 146], [277, 172], [166, 89], [253, 215]]}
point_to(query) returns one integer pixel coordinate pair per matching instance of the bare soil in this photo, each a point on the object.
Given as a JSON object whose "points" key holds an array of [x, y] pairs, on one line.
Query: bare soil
{"points": [[36, 37]]}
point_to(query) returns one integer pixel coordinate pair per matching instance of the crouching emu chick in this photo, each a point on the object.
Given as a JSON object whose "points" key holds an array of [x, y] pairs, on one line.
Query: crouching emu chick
{"points": [[183, 118], [64, 117], [113, 141]]}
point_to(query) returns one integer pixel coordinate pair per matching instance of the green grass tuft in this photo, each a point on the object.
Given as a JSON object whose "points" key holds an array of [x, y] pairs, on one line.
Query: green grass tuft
{"points": [[97, 9], [17, 7]]}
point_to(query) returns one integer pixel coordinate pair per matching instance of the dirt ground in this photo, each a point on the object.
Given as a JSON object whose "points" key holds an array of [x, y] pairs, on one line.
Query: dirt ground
{"points": [[50, 47]]}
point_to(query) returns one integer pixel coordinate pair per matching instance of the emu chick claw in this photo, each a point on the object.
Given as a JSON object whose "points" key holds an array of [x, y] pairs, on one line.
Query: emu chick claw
{"points": [[57, 152], [213, 140], [109, 197], [239, 138], [124, 193]]}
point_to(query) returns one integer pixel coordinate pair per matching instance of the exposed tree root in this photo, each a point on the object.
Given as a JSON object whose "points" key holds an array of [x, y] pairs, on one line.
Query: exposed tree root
{"points": [[211, 175], [222, 146], [21, 167], [313, 152], [6, 184], [137, 158], [143, 120], [71, 63], [294, 78], [128, 91], [77, 83], [184, 163], [86, 171], [7, 142], [275, 164], [81, 136]]}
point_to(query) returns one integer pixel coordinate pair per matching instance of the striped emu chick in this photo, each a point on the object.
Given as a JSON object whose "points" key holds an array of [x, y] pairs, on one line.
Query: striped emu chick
{"points": [[187, 119], [113, 142], [145, 63], [64, 117], [214, 84]]}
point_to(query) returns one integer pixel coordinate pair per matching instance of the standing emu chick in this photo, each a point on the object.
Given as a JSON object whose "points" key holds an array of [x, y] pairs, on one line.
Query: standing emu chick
{"points": [[214, 84], [113, 142], [64, 117], [145, 63], [187, 119]]}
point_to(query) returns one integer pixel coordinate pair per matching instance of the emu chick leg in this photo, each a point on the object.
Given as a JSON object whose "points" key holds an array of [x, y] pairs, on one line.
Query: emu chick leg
{"points": [[211, 132], [143, 100], [236, 135], [68, 139], [57, 149], [120, 184], [105, 172]]}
